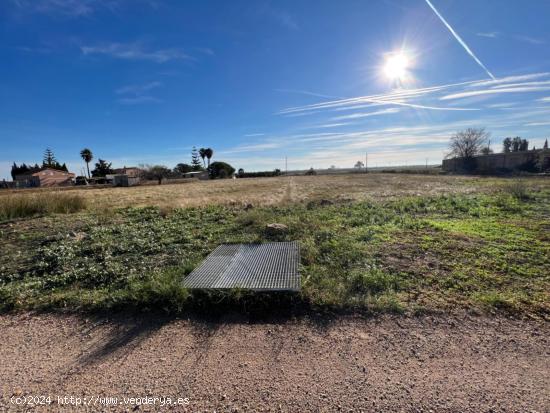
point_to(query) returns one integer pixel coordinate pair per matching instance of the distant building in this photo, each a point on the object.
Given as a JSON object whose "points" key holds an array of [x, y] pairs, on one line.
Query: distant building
{"points": [[131, 171], [6, 184], [495, 163], [125, 180], [196, 174], [43, 178]]}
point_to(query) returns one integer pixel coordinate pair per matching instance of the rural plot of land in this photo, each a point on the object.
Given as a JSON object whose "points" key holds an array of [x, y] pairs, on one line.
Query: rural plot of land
{"points": [[452, 272], [376, 242], [277, 190]]}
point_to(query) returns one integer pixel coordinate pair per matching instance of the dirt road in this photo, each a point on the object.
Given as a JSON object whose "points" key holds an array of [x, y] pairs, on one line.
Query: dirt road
{"points": [[429, 363]]}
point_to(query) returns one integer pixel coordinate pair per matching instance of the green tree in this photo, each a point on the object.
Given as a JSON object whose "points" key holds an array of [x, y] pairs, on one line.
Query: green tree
{"points": [[209, 152], [524, 145], [220, 170], [195, 161], [49, 160], [202, 153], [182, 168], [158, 172], [507, 145], [20, 170], [102, 168], [87, 155], [14, 171]]}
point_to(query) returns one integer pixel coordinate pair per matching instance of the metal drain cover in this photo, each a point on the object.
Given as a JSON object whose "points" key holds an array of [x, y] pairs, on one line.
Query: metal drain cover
{"points": [[271, 266]]}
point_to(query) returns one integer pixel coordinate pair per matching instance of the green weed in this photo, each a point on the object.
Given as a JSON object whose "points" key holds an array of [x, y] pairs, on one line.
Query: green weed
{"points": [[413, 253]]}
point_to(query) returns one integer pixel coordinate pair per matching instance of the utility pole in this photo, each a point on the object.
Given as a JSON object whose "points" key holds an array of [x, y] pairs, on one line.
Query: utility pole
{"points": [[366, 162], [426, 163], [286, 165]]}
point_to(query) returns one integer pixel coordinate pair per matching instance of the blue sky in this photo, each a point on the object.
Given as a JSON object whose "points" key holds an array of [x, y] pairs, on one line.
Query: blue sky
{"points": [[142, 81]]}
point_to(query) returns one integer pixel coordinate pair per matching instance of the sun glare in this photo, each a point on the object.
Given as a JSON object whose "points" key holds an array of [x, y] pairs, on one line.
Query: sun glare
{"points": [[396, 66]]}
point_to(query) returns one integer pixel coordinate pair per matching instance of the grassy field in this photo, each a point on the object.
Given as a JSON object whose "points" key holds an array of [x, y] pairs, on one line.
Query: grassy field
{"points": [[378, 242]]}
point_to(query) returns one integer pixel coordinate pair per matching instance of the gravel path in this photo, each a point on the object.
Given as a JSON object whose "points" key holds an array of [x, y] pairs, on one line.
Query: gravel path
{"points": [[428, 363]]}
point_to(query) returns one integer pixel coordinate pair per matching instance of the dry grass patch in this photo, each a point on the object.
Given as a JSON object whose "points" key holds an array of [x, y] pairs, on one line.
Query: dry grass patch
{"points": [[282, 190], [14, 206]]}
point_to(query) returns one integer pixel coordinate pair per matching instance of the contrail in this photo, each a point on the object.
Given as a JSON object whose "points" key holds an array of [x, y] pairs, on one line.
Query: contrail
{"points": [[459, 39]]}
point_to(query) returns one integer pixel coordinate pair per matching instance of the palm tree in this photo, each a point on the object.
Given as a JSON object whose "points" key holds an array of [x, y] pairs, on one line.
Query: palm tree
{"points": [[202, 153], [87, 155], [209, 152]]}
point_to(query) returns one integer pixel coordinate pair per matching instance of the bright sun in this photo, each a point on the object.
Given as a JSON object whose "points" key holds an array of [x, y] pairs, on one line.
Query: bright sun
{"points": [[396, 66]]}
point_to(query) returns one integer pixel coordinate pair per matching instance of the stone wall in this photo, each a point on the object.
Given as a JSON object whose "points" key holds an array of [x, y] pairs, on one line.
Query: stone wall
{"points": [[500, 162]]}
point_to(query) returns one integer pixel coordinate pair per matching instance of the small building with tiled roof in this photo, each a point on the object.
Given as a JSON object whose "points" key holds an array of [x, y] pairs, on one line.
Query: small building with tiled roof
{"points": [[44, 177]]}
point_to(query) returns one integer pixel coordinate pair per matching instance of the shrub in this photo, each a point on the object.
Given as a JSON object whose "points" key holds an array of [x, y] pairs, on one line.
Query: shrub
{"points": [[7, 300], [28, 205], [221, 170], [518, 189]]}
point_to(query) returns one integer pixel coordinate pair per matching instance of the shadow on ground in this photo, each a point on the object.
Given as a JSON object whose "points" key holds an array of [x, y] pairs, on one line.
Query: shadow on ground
{"points": [[127, 329]]}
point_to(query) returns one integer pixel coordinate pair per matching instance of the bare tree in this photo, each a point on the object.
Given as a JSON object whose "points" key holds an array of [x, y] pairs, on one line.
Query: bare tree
{"points": [[468, 143], [156, 172]]}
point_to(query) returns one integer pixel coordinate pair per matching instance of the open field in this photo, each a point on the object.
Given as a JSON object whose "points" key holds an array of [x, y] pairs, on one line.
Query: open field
{"points": [[369, 243], [278, 190]]}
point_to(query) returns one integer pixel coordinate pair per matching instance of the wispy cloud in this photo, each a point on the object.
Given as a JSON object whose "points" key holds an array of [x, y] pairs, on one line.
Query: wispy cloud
{"points": [[427, 99], [138, 94], [471, 93], [397, 98], [76, 8], [537, 124], [333, 125], [254, 134], [504, 105], [459, 39], [35, 50], [528, 39], [137, 100], [252, 147], [519, 37], [492, 35], [71, 8], [417, 106], [205, 50], [280, 16], [135, 51], [366, 114], [138, 89], [308, 93]]}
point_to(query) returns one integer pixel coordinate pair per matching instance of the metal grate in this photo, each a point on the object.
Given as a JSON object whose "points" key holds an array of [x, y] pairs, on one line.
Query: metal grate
{"points": [[271, 266]]}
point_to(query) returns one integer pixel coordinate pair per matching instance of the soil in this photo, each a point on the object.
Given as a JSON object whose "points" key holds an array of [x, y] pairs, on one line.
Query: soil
{"points": [[460, 363]]}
